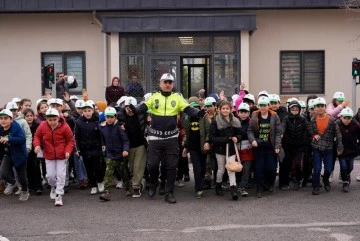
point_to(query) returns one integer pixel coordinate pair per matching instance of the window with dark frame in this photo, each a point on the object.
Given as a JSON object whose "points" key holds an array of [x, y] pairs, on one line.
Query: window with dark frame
{"points": [[70, 63], [302, 72]]}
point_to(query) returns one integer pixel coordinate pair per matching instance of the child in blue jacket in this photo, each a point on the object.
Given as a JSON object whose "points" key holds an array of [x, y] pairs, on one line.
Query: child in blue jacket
{"points": [[13, 154]]}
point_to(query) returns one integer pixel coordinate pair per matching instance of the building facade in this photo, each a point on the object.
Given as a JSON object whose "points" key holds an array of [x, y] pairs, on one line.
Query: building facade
{"points": [[292, 48]]}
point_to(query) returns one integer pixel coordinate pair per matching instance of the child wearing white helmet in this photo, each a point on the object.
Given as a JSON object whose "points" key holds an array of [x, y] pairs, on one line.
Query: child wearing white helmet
{"points": [[275, 106], [115, 145], [246, 150], [350, 130], [264, 133], [13, 154], [326, 130], [57, 140], [337, 104]]}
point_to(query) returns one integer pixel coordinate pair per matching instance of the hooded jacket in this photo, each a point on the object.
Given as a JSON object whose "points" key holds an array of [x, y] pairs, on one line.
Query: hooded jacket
{"points": [[350, 136], [55, 143], [296, 131], [275, 128], [17, 142], [88, 136], [114, 139]]}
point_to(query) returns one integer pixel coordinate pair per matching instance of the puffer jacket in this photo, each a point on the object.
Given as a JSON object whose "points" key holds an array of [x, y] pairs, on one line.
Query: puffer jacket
{"points": [[24, 125], [350, 136], [220, 133], [17, 144], [88, 136], [275, 128], [55, 143], [296, 131], [115, 140]]}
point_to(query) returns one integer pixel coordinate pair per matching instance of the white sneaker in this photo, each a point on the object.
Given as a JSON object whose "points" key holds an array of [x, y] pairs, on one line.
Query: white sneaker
{"points": [[180, 183], [358, 177], [119, 185], [24, 195], [9, 189], [52, 193], [93, 191], [18, 191], [58, 201], [101, 187]]}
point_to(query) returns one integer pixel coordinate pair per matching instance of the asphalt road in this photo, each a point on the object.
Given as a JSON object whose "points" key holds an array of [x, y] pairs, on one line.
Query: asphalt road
{"points": [[283, 215]]}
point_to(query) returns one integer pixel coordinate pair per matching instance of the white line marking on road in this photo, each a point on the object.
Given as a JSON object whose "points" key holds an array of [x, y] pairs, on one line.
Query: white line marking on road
{"points": [[3, 238], [59, 232], [320, 229], [341, 236], [294, 225]]}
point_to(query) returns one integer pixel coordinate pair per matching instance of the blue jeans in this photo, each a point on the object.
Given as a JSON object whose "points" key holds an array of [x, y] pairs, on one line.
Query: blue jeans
{"points": [[346, 166], [80, 168], [265, 166], [320, 157]]}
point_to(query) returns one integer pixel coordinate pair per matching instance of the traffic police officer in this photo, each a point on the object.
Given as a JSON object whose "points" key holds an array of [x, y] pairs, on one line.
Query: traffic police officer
{"points": [[163, 135]]}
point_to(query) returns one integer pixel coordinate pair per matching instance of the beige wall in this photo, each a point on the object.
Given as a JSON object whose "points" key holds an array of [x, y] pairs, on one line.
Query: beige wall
{"points": [[24, 37], [328, 30]]}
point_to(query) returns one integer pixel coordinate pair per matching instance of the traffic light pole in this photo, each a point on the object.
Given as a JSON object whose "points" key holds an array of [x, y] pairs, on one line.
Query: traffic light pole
{"points": [[53, 90], [355, 83]]}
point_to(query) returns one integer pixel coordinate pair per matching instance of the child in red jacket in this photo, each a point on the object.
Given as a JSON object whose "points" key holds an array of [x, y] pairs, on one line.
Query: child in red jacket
{"points": [[58, 142]]}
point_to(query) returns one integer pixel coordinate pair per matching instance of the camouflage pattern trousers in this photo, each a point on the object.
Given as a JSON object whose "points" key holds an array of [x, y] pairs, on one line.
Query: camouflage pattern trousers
{"points": [[121, 166]]}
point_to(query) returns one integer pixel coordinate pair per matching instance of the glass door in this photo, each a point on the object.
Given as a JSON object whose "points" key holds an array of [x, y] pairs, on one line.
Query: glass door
{"points": [[194, 75], [160, 65]]}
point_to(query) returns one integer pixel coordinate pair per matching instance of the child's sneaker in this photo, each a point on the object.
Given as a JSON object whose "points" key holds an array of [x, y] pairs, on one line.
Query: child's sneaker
{"points": [[24, 195], [52, 193], [93, 191], [101, 187], [105, 196], [18, 191], [243, 192], [119, 185], [136, 193], [180, 183], [58, 201], [199, 194], [9, 189]]}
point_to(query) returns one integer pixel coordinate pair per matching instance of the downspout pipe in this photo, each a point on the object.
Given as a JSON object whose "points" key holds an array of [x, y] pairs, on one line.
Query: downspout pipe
{"points": [[105, 49]]}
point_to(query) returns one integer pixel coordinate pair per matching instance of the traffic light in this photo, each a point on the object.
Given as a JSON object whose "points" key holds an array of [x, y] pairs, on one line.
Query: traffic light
{"points": [[48, 75], [355, 68]]}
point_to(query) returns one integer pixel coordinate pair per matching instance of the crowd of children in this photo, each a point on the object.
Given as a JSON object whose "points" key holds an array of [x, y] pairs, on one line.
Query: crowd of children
{"points": [[96, 144]]}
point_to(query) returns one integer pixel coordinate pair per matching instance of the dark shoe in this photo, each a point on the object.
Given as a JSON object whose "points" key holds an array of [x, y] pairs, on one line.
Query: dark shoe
{"points": [[243, 192], [271, 188], [259, 192], [66, 189], [234, 193], [327, 187], [218, 189], [152, 190], [207, 185], [187, 178], [136, 193], [296, 185], [346, 187], [39, 192], [105, 196], [162, 188], [315, 191], [128, 192], [284, 187], [170, 198]]}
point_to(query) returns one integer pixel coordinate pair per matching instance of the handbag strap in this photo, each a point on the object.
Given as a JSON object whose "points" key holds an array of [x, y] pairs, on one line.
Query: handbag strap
{"points": [[237, 152], [227, 151]]}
